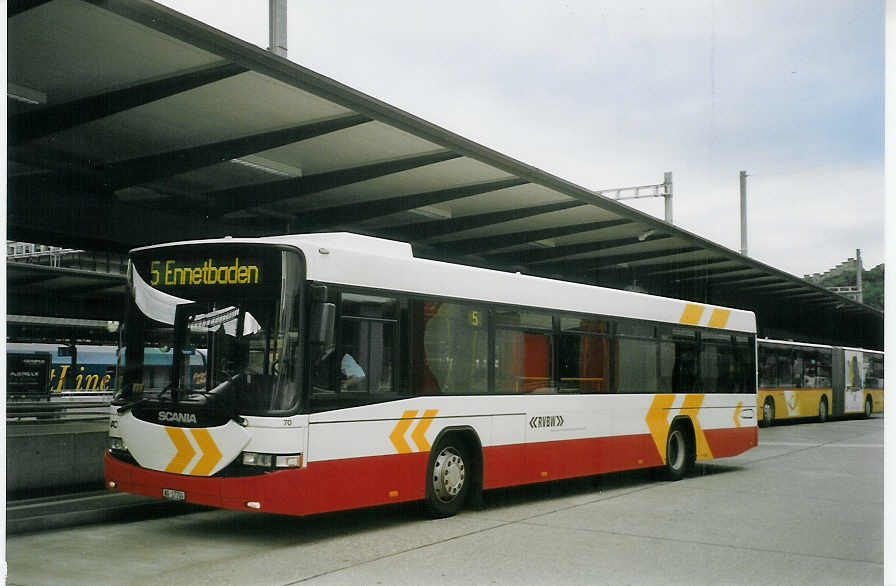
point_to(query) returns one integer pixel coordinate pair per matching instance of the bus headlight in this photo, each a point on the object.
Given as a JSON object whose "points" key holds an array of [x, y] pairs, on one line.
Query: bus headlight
{"points": [[272, 460], [256, 459], [116, 443]]}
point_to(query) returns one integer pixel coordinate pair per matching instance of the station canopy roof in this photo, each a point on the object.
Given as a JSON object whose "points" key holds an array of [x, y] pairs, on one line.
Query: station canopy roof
{"points": [[131, 124]]}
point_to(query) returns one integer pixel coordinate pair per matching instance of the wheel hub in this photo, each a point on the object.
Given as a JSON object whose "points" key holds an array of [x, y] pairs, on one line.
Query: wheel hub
{"points": [[448, 474]]}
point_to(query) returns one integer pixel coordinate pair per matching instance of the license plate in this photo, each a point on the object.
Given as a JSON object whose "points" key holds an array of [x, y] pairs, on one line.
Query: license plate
{"points": [[174, 495]]}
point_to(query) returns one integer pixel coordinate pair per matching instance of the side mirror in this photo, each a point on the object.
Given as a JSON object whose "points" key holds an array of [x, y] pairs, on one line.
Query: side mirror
{"points": [[322, 324]]}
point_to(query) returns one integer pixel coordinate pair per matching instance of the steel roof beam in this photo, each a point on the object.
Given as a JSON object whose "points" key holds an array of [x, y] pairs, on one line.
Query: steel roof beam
{"points": [[86, 290], [772, 286], [54, 272], [150, 168], [112, 225], [741, 282], [475, 245], [606, 262], [324, 217], [15, 7], [423, 231], [694, 265], [545, 254], [786, 290], [820, 294], [258, 194], [710, 274], [50, 119], [26, 281]]}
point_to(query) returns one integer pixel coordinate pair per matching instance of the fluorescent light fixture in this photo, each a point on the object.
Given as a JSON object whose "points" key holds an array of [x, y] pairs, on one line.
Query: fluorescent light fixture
{"points": [[546, 243], [25, 94], [432, 212], [268, 166], [647, 234]]}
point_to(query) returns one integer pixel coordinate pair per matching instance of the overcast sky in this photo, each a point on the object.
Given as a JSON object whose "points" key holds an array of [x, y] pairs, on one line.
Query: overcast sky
{"points": [[612, 94]]}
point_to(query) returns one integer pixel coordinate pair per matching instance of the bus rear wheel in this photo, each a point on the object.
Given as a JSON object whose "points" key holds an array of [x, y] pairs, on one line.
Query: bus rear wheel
{"points": [[677, 453], [768, 413], [868, 407], [823, 410], [448, 479]]}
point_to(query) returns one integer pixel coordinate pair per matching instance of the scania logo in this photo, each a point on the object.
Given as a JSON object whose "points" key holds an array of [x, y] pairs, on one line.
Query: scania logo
{"points": [[173, 417]]}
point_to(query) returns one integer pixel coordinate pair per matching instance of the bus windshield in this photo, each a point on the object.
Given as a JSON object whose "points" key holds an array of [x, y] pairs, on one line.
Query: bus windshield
{"points": [[234, 307]]}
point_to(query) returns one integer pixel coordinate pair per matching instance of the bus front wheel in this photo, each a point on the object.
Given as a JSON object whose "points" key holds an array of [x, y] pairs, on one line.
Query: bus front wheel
{"points": [[448, 478], [868, 407]]}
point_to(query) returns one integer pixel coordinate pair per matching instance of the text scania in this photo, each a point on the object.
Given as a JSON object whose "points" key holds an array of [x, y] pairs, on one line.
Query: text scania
{"points": [[172, 417], [207, 274]]}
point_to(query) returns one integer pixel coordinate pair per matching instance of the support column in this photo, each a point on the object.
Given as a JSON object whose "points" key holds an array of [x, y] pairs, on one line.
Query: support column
{"points": [[277, 28], [667, 180], [743, 213]]}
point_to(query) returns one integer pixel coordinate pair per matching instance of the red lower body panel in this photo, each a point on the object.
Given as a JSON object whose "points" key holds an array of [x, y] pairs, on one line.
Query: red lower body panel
{"points": [[725, 443], [362, 482]]}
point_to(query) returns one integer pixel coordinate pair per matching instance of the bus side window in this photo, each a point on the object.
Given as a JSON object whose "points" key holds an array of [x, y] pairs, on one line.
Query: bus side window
{"points": [[451, 348], [745, 364], [637, 364], [367, 344], [583, 355], [768, 368], [360, 367], [678, 360], [523, 352]]}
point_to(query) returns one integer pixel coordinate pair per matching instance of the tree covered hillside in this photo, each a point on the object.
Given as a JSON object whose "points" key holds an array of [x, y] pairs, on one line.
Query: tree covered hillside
{"points": [[872, 284]]}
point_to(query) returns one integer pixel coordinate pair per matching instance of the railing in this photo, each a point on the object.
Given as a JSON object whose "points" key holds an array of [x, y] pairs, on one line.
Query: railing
{"points": [[82, 408]]}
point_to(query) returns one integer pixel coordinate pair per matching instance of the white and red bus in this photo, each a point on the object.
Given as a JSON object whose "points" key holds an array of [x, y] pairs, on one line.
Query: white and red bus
{"points": [[800, 380], [343, 372]]}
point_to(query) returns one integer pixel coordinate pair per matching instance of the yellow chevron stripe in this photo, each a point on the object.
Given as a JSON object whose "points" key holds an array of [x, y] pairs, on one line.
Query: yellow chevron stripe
{"points": [[691, 314], [397, 435], [737, 411], [719, 318], [419, 433], [658, 421], [211, 455], [693, 402], [185, 451]]}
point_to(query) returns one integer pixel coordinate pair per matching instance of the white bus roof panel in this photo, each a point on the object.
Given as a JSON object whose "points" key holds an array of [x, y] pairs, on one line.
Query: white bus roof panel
{"points": [[376, 263]]}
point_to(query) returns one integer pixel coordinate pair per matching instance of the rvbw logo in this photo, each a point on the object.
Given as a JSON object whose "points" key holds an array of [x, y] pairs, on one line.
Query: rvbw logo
{"points": [[172, 417], [546, 421]]}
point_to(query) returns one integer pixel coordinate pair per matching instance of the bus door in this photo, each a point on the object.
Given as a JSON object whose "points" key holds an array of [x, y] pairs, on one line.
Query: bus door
{"points": [[838, 381], [854, 396]]}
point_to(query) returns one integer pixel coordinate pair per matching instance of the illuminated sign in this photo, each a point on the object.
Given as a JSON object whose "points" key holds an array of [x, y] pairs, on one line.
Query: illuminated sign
{"points": [[214, 271], [170, 273], [26, 374]]}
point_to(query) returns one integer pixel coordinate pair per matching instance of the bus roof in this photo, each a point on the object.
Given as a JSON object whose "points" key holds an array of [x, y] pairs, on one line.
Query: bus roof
{"points": [[809, 345], [364, 261]]}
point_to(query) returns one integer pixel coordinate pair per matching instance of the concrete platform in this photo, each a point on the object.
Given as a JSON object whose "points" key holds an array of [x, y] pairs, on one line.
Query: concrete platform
{"points": [[79, 509], [806, 507], [51, 458]]}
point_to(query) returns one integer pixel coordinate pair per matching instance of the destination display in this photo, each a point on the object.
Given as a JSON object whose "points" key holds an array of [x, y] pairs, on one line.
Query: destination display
{"points": [[169, 273], [210, 271]]}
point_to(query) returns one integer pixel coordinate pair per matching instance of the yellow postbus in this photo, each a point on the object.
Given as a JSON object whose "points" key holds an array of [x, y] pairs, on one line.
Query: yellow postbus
{"points": [[800, 380]]}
